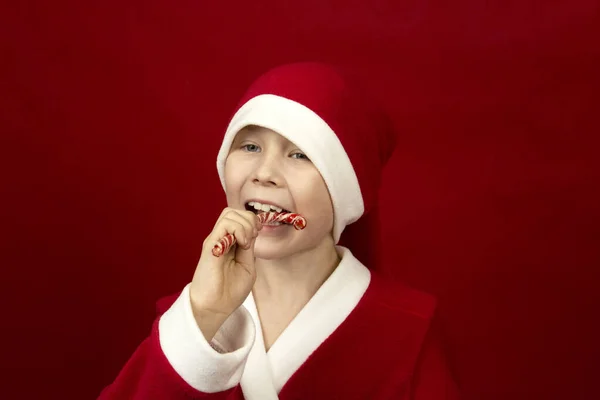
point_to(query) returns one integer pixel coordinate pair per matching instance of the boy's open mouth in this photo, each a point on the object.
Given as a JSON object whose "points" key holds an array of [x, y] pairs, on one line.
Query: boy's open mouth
{"points": [[258, 208]]}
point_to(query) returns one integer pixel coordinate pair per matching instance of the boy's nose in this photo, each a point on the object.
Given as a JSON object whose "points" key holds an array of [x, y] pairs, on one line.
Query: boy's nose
{"points": [[267, 173]]}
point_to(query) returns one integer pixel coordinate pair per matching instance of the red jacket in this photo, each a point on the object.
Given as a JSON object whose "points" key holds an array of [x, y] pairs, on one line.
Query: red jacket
{"points": [[360, 337]]}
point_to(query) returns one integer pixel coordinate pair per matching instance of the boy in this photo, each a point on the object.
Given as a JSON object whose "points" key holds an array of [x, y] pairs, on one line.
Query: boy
{"points": [[288, 313]]}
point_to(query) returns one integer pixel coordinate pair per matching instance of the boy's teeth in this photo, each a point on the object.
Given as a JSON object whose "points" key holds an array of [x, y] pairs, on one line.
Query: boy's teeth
{"points": [[264, 207]]}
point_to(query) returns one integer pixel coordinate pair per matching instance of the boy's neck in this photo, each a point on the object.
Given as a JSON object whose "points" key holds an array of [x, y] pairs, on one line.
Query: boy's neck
{"points": [[291, 282]]}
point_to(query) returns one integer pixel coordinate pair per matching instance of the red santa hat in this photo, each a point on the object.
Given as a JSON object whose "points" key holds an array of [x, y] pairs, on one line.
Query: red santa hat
{"points": [[336, 125]]}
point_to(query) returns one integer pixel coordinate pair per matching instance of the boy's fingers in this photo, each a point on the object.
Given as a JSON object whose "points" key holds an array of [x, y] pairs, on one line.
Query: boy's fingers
{"points": [[244, 221], [245, 255]]}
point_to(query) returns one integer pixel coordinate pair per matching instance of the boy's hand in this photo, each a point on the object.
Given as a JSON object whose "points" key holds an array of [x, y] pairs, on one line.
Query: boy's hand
{"points": [[221, 284]]}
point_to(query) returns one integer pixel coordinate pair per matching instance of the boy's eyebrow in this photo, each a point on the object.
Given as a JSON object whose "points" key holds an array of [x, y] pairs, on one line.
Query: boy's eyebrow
{"points": [[247, 130], [242, 134], [251, 128]]}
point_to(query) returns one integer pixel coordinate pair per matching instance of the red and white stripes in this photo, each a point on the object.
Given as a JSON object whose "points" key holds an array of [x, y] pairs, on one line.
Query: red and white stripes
{"points": [[226, 242]]}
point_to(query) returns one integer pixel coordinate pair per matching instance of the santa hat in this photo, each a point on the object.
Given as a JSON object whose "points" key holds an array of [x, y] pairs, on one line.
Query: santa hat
{"points": [[336, 125]]}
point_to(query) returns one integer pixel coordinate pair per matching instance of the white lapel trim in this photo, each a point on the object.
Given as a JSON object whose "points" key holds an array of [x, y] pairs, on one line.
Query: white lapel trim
{"points": [[266, 373], [320, 317], [257, 379]]}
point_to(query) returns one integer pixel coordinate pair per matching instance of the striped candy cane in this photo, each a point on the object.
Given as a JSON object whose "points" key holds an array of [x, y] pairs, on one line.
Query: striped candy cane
{"points": [[298, 221]]}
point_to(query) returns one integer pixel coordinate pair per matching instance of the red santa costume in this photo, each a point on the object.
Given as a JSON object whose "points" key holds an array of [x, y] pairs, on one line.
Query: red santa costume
{"points": [[360, 336]]}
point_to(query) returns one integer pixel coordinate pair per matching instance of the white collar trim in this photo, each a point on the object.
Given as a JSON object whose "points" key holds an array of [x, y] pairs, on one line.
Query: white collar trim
{"points": [[265, 374]]}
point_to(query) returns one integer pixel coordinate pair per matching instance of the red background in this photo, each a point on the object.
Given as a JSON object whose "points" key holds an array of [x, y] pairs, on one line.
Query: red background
{"points": [[112, 114]]}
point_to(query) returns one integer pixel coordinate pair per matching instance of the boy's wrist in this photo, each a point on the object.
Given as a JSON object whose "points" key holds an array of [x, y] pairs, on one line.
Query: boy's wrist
{"points": [[209, 322]]}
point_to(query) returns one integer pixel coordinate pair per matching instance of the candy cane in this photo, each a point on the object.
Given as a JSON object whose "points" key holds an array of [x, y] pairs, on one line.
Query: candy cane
{"points": [[298, 221]]}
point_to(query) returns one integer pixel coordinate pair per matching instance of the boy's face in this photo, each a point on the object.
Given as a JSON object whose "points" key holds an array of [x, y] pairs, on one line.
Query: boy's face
{"points": [[265, 167]]}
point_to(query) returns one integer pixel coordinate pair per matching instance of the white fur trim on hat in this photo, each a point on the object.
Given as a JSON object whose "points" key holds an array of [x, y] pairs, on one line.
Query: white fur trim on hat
{"points": [[303, 127]]}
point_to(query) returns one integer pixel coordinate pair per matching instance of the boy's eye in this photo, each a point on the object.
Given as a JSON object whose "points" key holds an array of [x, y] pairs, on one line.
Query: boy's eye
{"points": [[251, 148], [300, 156]]}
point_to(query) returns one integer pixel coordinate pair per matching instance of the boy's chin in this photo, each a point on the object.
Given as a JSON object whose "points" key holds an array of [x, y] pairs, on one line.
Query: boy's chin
{"points": [[266, 252], [271, 254]]}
